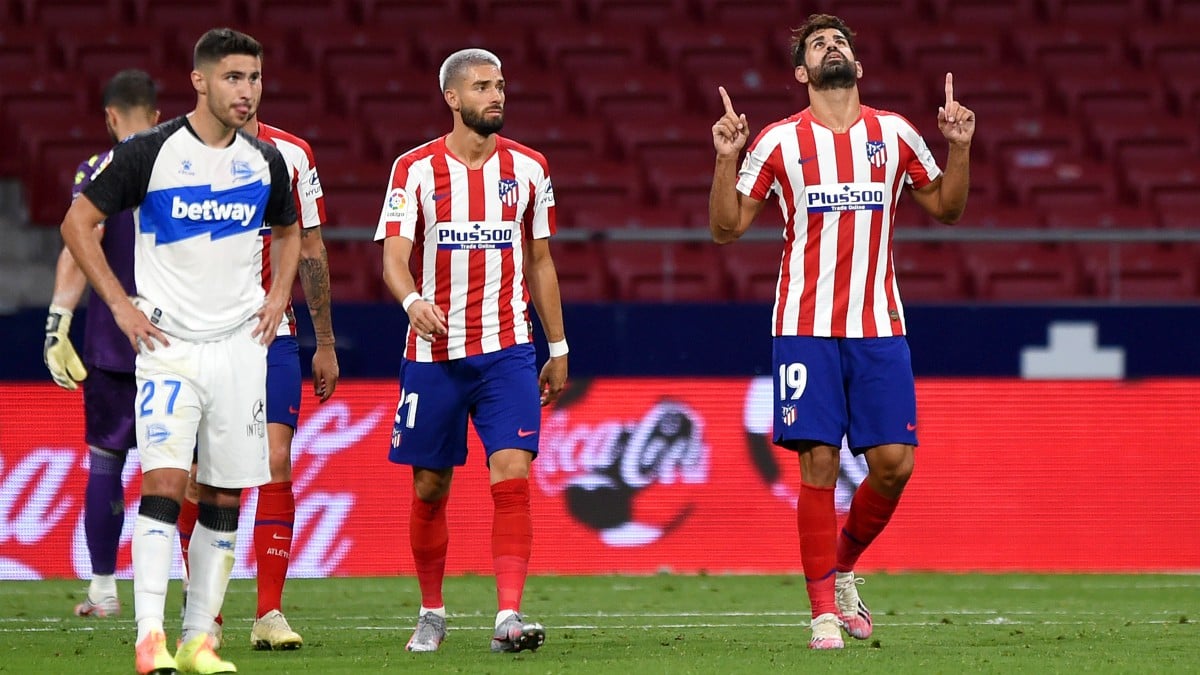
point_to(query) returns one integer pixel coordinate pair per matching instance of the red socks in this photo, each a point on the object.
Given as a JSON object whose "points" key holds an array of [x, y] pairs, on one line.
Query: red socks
{"points": [[188, 513], [816, 522], [869, 514], [273, 523], [512, 540], [429, 536]]}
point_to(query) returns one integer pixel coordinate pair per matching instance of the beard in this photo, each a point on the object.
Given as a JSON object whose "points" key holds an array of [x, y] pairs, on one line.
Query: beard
{"points": [[475, 121], [835, 74]]}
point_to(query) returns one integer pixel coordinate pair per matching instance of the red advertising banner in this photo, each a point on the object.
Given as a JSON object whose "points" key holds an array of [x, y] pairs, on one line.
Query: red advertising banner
{"points": [[644, 475]]}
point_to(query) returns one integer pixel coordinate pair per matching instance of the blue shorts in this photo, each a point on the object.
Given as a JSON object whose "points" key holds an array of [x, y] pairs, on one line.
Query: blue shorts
{"points": [[108, 400], [498, 392], [860, 388], [283, 381]]}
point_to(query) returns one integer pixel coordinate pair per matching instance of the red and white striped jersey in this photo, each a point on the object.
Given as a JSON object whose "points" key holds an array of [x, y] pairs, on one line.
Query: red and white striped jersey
{"points": [[468, 228], [838, 194], [307, 193]]}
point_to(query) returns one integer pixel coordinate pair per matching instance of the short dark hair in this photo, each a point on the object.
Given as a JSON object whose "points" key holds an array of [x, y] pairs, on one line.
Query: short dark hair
{"points": [[131, 89], [815, 23], [218, 43]]}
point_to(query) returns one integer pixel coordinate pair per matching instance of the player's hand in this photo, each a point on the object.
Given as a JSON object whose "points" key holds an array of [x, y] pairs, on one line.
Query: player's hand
{"points": [[137, 327], [58, 352], [956, 121], [269, 316], [731, 131], [552, 379], [325, 372], [427, 319]]}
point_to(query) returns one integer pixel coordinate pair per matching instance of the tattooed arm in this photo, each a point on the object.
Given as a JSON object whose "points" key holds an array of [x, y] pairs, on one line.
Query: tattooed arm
{"points": [[314, 279]]}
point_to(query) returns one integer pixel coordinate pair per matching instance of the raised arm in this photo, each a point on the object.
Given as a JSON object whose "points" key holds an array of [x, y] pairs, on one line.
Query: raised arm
{"points": [[729, 212], [946, 198]]}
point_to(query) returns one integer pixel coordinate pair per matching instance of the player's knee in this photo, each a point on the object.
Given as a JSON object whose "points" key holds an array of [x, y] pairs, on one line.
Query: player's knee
{"points": [[892, 477], [430, 486]]}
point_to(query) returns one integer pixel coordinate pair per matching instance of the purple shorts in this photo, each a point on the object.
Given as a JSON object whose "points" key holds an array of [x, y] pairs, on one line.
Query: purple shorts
{"points": [[108, 401], [283, 381], [860, 388], [498, 392]]}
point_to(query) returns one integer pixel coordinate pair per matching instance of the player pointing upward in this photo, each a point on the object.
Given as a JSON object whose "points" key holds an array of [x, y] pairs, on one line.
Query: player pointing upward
{"points": [[841, 362]]}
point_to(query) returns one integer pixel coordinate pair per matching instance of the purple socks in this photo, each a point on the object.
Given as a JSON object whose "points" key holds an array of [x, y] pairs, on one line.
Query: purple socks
{"points": [[104, 509]]}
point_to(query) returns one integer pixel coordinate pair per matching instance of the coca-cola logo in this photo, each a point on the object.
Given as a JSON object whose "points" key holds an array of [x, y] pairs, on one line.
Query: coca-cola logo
{"points": [[599, 469], [32, 504]]}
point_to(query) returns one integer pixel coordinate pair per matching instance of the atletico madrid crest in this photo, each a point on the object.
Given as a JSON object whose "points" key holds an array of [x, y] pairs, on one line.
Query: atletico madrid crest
{"points": [[876, 153], [789, 414], [508, 191]]}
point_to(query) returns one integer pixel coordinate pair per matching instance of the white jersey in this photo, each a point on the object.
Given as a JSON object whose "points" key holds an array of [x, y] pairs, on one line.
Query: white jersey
{"points": [[838, 194], [468, 228], [309, 201], [197, 215]]}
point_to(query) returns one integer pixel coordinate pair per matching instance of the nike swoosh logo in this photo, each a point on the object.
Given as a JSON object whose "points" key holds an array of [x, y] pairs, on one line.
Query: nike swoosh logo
{"points": [[279, 538], [910, 426], [438, 198], [806, 160], [293, 409], [525, 434]]}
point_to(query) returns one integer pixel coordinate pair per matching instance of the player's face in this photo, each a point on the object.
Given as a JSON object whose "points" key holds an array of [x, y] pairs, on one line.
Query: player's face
{"points": [[481, 99], [829, 61], [234, 87]]}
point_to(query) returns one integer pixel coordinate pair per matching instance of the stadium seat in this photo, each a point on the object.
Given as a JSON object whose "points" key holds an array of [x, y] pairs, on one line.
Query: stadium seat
{"points": [[591, 47], [986, 12], [24, 49], [388, 94], [58, 13], [527, 12], [1111, 12], [1000, 90], [666, 272], [1031, 139], [564, 141], [949, 47], [1184, 87], [1180, 11], [412, 13], [101, 52], [1141, 272], [620, 94], [298, 14], [689, 47], [1118, 132], [769, 15], [54, 147], [1023, 272], [1151, 183], [38, 95], [663, 134], [1111, 90], [764, 94], [333, 139], [753, 268], [582, 273], [1180, 215], [594, 184], [1166, 45], [635, 217], [869, 15], [533, 93], [675, 184], [344, 51], [650, 12], [290, 94], [1075, 181], [894, 90], [396, 136], [1001, 216], [355, 272], [1070, 47], [929, 272], [508, 39], [189, 17], [870, 44], [354, 191], [1098, 215]]}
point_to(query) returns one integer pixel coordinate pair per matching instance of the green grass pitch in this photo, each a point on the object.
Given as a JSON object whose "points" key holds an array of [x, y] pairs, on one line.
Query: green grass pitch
{"points": [[924, 623]]}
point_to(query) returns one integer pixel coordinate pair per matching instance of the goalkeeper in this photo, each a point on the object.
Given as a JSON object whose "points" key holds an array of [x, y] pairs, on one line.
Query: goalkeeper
{"points": [[106, 369]]}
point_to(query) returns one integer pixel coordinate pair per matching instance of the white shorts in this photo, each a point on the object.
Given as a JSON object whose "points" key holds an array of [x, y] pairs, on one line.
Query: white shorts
{"points": [[210, 397]]}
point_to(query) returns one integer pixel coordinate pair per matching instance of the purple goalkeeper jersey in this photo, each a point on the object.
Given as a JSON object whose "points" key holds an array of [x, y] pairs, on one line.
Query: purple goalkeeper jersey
{"points": [[104, 345]]}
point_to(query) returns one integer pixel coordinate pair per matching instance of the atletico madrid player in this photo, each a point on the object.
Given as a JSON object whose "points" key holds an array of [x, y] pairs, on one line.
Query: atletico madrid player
{"points": [[841, 361]]}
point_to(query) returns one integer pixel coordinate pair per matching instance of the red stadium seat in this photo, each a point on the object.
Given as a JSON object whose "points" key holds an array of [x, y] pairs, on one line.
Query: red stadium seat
{"points": [[1166, 45], [1116, 133], [763, 94], [658, 12], [507, 39], [1001, 217], [30, 96], [594, 184], [870, 45], [393, 138], [564, 141], [617, 94], [1142, 272], [1111, 12], [895, 91], [663, 134], [290, 95], [666, 272], [1180, 11], [1151, 183], [526, 12], [1074, 181], [1098, 215], [766, 14], [191, 18], [53, 146], [1031, 139], [590, 47], [534, 93], [344, 50], [413, 12], [986, 12], [333, 139], [1111, 90], [929, 272], [24, 49], [355, 271], [999, 90], [57, 13], [753, 267], [582, 272], [1071, 47], [102, 52], [866, 15], [1184, 87], [393, 94], [1023, 272], [1180, 215], [354, 191], [301, 14], [691, 47], [635, 218], [681, 184], [949, 47]]}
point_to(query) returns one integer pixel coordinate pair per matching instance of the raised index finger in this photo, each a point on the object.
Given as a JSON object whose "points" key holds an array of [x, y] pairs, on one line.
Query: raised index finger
{"points": [[949, 89], [726, 101]]}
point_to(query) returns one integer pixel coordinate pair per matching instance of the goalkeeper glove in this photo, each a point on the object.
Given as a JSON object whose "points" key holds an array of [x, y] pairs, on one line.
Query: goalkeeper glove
{"points": [[58, 352]]}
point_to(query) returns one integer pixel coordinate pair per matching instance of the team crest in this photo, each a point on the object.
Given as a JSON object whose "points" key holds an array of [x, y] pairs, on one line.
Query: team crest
{"points": [[508, 191], [876, 153], [788, 414]]}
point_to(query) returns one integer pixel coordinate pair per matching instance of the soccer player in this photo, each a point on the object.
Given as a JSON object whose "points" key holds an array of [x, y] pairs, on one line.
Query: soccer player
{"points": [[276, 511], [200, 325], [130, 106], [841, 361], [476, 211]]}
